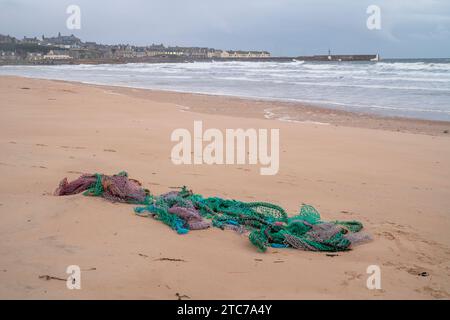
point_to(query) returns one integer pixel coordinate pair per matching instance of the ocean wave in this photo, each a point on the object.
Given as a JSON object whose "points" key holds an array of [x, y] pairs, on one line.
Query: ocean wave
{"points": [[418, 88], [407, 66]]}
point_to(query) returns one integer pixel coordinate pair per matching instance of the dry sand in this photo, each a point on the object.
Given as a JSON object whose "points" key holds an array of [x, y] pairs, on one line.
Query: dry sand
{"points": [[396, 182]]}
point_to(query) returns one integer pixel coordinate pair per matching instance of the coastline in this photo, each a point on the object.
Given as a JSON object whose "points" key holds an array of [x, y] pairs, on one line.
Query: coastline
{"points": [[296, 112], [391, 174], [282, 110]]}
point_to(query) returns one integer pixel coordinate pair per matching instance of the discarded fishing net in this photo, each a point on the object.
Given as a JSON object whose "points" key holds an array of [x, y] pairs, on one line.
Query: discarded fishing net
{"points": [[115, 188], [79, 185], [192, 217], [268, 225]]}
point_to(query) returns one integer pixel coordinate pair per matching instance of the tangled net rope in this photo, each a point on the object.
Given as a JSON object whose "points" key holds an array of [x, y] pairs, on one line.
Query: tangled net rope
{"points": [[115, 188], [267, 224]]}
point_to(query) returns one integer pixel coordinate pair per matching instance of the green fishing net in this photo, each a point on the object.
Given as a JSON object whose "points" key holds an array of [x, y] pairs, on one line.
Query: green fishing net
{"points": [[267, 224]]}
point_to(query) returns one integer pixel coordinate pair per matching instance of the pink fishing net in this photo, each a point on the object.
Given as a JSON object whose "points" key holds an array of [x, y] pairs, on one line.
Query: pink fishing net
{"points": [[115, 188], [191, 216], [81, 184]]}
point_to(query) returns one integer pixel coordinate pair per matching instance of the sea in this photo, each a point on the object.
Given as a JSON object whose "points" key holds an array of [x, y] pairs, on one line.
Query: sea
{"points": [[418, 88]]}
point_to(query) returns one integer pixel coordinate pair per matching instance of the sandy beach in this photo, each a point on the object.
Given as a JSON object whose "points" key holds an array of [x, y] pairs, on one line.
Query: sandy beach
{"points": [[391, 174]]}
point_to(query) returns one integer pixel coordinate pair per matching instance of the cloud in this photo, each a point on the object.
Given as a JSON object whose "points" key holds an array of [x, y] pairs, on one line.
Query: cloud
{"points": [[285, 27]]}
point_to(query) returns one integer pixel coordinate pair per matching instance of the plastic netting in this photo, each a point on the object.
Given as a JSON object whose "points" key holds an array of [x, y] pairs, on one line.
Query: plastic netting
{"points": [[267, 224], [115, 188]]}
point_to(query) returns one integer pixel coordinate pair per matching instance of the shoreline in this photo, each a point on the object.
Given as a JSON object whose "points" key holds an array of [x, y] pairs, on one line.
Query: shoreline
{"points": [[277, 109]]}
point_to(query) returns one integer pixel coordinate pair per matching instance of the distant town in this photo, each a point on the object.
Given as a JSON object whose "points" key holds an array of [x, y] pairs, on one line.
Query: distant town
{"points": [[70, 49]]}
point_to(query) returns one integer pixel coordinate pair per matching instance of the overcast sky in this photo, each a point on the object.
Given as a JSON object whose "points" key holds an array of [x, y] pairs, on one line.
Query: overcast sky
{"points": [[409, 28]]}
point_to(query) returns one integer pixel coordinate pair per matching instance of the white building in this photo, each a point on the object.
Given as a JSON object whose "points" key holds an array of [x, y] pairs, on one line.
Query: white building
{"points": [[52, 56], [245, 54]]}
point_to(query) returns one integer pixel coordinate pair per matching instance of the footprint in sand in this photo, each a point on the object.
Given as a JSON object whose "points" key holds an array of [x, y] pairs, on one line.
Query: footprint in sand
{"points": [[435, 293], [75, 172], [287, 183], [67, 90], [414, 270], [432, 257], [350, 276], [353, 275], [349, 213], [386, 235]]}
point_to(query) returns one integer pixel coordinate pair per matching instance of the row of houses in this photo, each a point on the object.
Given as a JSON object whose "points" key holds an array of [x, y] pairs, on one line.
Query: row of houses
{"points": [[191, 52], [72, 48]]}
